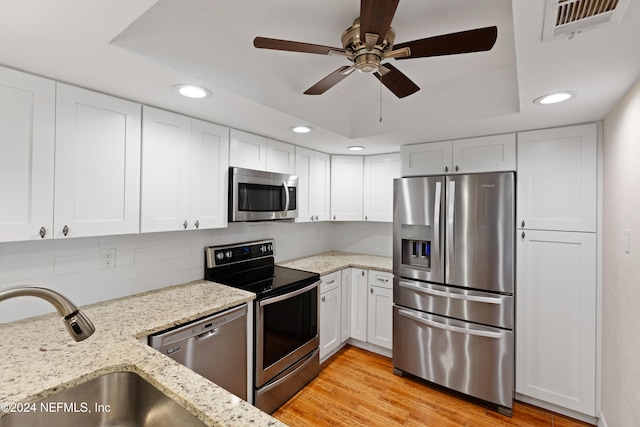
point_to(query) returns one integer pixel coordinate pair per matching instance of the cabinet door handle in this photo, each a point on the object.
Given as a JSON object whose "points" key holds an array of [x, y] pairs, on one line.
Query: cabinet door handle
{"points": [[324, 299], [371, 290], [311, 217], [65, 231], [456, 168], [383, 280], [185, 224], [446, 168], [363, 272], [316, 217], [43, 232], [522, 223], [366, 218], [197, 224], [334, 217], [330, 281], [523, 235]]}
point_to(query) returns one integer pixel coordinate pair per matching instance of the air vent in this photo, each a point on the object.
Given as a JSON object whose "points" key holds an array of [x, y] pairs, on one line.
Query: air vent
{"points": [[569, 17]]}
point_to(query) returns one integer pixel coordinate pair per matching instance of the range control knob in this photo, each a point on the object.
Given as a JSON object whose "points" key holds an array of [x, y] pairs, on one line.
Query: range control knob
{"points": [[263, 248], [220, 255], [228, 254], [270, 247]]}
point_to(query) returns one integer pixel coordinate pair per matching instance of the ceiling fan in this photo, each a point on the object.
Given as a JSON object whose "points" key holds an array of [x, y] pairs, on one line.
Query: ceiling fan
{"points": [[370, 40]]}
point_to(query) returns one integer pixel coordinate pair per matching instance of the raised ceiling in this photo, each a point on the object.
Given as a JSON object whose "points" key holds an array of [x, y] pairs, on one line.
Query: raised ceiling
{"points": [[140, 50]]}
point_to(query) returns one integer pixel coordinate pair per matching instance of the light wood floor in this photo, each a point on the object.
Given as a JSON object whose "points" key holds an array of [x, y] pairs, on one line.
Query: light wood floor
{"points": [[358, 388]]}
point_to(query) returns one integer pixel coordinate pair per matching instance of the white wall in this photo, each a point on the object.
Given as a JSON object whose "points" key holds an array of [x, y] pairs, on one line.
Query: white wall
{"points": [[151, 261], [621, 270]]}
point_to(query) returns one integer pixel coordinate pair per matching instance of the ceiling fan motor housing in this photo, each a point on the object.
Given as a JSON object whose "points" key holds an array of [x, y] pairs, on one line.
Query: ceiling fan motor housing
{"points": [[365, 60]]}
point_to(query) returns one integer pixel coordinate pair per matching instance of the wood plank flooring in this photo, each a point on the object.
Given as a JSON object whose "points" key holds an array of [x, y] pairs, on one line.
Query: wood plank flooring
{"points": [[358, 388]]}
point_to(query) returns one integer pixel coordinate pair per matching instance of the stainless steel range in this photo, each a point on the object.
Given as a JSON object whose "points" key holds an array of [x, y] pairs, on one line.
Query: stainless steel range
{"points": [[286, 338], [453, 261]]}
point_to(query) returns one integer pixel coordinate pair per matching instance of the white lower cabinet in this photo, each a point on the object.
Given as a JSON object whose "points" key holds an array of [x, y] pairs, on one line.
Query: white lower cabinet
{"points": [[556, 318], [380, 309], [345, 310], [330, 313], [359, 302]]}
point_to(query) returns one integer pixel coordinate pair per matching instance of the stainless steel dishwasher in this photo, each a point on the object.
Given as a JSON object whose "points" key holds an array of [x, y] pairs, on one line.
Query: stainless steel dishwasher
{"points": [[214, 347]]}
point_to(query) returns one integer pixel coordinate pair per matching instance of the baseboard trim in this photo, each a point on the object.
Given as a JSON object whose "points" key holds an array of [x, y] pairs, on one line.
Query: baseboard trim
{"points": [[558, 409], [601, 421]]}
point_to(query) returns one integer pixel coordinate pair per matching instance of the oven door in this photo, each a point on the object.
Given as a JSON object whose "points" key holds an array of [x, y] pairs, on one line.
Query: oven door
{"points": [[262, 196], [286, 331]]}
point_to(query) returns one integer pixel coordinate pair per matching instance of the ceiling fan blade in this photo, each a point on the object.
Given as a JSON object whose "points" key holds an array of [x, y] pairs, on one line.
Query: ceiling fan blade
{"points": [[477, 40], [328, 82], [291, 46], [397, 82], [376, 17]]}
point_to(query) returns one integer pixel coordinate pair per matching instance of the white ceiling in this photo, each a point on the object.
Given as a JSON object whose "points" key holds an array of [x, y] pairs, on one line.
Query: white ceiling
{"points": [[140, 49]]}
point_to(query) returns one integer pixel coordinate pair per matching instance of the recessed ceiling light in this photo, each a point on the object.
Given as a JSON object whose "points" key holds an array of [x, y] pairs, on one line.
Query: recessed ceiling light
{"points": [[301, 129], [356, 148], [554, 98], [192, 91]]}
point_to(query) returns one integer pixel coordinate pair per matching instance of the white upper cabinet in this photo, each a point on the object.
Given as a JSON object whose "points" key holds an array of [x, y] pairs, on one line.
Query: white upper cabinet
{"points": [[346, 188], [251, 151], [97, 164], [209, 174], [557, 174], [247, 150], [471, 155], [379, 173], [184, 172], [484, 154], [27, 123], [314, 182], [280, 157], [433, 158]]}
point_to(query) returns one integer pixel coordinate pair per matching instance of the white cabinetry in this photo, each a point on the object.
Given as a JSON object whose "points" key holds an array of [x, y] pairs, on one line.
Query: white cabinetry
{"points": [[556, 318], [27, 123], [346, 188], [251, 151], [471, 155], [97, 164], [313, 169], [359, 303], [557, 173], [380, 309], [379, 173], [330, 313], [184, 172], [345, 310], [556, 297]]}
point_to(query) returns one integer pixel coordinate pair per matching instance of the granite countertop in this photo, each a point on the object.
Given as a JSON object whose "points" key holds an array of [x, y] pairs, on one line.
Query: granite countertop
{"points": [[38, 357], [329, 262]]}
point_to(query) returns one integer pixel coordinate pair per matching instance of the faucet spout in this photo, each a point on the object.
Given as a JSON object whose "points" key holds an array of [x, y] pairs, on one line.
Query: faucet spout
{"points": [[77, 323]]}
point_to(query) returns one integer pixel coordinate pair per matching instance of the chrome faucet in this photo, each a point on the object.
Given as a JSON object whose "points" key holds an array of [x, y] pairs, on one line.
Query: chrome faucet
{"points": [[78, 324]]}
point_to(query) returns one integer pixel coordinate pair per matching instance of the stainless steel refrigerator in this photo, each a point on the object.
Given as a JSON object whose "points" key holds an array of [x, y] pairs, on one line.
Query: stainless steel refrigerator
{"points": [[453, 291]]}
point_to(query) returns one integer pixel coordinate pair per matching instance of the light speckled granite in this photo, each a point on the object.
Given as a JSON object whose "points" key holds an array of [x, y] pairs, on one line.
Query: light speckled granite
{"points": [[328, 262], [38, 357]]}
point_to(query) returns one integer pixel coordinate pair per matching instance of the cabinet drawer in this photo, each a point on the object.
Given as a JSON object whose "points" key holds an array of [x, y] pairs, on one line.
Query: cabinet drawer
{"points": [[330, 281], [381, 279]]}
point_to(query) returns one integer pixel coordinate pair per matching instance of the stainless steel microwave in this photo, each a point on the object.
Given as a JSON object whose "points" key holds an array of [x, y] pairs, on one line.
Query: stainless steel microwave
{"points": [[261, 196]]}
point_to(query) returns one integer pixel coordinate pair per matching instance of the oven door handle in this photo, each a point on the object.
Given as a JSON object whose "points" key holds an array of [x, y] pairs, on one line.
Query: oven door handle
{"points": [[300, 367], [288, 295], [437, 293], [468, 331], [286, 199]]}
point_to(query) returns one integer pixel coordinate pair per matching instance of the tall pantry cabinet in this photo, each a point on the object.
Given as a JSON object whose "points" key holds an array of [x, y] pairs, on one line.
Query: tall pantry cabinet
{"points": [[556, 297]]}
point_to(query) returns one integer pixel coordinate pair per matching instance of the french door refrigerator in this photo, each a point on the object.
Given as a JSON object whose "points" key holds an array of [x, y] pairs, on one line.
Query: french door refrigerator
{"points": [[453, 293]]}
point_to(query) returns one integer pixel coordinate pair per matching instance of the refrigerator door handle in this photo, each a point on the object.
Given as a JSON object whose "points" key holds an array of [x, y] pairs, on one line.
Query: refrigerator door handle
{"points": [[438, 325], [452, 295], [436, 222], [450, 230]]}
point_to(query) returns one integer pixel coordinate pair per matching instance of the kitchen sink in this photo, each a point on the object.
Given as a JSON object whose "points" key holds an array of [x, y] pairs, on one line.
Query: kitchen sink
{"points": [[122, 399]]}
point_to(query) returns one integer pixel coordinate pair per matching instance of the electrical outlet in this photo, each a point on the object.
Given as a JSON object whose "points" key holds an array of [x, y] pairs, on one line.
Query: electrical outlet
{"points": [[108, 258]]}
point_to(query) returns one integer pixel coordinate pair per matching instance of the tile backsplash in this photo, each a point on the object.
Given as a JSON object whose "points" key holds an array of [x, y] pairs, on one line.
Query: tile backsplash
{"points": [[145, 262]]}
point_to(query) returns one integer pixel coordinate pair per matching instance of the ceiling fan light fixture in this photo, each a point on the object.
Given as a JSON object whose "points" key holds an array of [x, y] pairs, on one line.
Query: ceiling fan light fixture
{"points": [[192, 91], [301, 129], [554, 98]]}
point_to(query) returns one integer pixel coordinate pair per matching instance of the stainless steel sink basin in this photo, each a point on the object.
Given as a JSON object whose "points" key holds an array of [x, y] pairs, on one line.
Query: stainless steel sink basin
{"points": [[122, 399]]}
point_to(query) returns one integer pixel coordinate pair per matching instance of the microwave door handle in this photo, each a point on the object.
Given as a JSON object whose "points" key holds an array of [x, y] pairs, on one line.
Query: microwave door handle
{"points": [[286, 198]]}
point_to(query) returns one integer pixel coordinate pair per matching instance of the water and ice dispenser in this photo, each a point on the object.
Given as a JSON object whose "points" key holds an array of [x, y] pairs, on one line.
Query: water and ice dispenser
{"points": [[416, 245]]}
